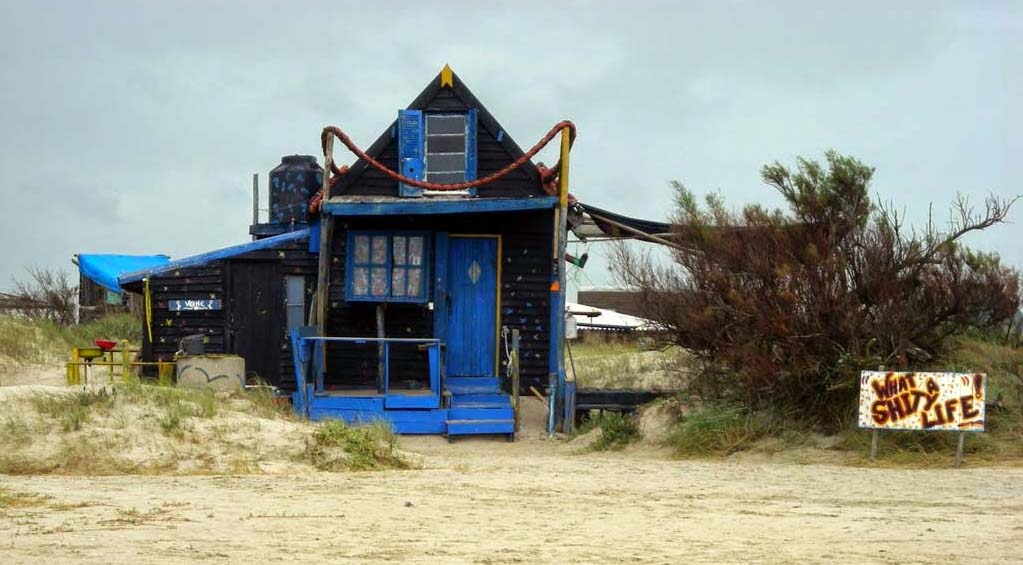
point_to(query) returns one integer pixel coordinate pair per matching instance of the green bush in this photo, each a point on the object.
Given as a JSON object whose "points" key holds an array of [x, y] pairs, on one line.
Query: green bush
{"points": [[616, 430], [722, 430], [336, 446]]}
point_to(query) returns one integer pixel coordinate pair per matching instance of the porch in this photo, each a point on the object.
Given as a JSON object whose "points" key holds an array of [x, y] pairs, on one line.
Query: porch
{"points": [[451, 406]]}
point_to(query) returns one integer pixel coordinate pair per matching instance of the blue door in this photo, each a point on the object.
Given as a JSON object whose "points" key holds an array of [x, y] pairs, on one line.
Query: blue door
{"points": [[472, 307]]}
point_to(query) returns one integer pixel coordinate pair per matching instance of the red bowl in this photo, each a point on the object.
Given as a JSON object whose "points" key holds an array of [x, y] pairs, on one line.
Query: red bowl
{"points": [[105, 344]]}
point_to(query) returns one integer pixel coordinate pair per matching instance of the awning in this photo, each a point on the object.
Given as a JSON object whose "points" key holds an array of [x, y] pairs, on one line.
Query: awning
{"points": [[205, 258], [104, 269], [588, 221]]}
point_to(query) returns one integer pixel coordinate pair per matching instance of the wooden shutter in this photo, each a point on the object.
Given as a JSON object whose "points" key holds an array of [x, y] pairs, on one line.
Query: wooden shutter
{"points": [[410, 149]]}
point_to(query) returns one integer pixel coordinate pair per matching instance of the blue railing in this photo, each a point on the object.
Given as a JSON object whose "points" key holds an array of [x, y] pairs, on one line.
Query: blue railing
{"points": [[309, 361]]}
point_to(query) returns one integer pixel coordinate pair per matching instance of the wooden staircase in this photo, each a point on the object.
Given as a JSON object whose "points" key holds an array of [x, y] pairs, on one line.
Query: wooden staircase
{"points": [[477, 406]]}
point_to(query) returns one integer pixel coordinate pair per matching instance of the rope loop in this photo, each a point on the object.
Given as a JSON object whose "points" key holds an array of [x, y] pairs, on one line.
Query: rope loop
{"points": [[546, 175]]}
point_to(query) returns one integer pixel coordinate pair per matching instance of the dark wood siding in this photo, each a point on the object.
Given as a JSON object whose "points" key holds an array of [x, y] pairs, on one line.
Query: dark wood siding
{"points": [[492, 156], [209, 282], [525, 296]]}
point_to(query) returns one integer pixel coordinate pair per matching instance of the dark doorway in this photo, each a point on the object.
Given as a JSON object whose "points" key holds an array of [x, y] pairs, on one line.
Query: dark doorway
{"points": [[256, 317]]}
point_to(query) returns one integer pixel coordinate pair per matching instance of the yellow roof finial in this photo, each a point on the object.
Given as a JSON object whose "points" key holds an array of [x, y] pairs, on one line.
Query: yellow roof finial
{"points": [[447, 76]]}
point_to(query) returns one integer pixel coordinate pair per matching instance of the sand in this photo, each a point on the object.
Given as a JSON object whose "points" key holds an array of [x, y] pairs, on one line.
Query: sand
{"points": [[534, 501]]}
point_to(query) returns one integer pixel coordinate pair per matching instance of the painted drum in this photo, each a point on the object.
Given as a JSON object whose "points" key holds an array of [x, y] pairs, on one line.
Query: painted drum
{"points": [[223, 372]]}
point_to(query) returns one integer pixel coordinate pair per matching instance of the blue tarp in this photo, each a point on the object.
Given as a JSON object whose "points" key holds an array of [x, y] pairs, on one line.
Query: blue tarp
{"points": [[135, 275], [104, 269]]}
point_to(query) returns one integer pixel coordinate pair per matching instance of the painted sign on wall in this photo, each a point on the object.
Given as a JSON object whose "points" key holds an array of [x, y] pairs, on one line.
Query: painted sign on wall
{"points": [[891, 400], [192, 305]]}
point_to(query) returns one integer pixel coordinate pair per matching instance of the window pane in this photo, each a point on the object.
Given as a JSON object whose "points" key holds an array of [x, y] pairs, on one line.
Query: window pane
{"points": [[378, 281], [398, 250], [415, 282], [442, 162], [295, 316], [360, 281], [379, 249], [445, 124], [445, 144], [361, 249], [295, 290], [398, 282], [415, 250], [445, 178]]}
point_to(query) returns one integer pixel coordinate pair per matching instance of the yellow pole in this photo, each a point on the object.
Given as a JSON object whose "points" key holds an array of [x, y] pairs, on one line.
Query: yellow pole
{"points": [[125, 362], [73, 368], [563, 174]]}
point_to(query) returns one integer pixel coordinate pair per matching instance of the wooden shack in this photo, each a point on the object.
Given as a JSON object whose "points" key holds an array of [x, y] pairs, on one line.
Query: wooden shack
{"points": [[241, 299], [424, 283]]}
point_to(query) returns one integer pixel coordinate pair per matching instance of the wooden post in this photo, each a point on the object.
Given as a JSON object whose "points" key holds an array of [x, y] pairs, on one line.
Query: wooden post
{"points": [[959, 449], [255, 201], [559, 386], [515, 377], [125, 362], [381, 361], [874, 433], [326, 234], [74, 369]]}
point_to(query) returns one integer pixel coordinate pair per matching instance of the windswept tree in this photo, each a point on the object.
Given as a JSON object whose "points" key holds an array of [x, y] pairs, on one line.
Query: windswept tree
{"points": [[785, 307]]}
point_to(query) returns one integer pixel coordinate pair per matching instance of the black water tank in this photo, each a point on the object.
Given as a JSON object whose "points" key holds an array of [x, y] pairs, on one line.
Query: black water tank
{"points": [[292, 184]]}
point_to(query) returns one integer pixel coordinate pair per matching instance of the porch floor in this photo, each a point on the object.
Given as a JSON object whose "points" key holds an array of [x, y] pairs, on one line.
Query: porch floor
{"points": [[476, 406]]}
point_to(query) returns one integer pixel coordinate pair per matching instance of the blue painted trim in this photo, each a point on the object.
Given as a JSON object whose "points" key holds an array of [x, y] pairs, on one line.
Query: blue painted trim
{"points": [[205, 258], [440, 292], [389, 265], [314, 237], [411, 140], [426, 206]]}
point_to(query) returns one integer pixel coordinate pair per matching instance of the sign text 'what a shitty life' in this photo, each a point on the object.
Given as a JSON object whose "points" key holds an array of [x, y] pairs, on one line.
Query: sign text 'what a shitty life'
{"points": [[922, 401]]}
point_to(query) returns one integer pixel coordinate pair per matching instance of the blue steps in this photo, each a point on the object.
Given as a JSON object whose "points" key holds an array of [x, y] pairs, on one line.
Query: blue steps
{"points": [[478, 407], [473, 385]]}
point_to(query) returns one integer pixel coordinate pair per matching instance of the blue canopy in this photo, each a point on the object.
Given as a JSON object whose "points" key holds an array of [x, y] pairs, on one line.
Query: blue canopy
{"points": [[104, 269], [135, 275]]}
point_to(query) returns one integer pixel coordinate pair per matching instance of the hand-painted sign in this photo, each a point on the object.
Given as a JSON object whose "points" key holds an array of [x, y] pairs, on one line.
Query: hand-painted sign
{"points": [[190, 305], [922, 401]]}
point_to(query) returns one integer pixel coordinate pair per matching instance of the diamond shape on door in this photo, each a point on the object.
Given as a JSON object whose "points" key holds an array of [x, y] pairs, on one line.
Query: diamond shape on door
{"points": [[474, 272]]}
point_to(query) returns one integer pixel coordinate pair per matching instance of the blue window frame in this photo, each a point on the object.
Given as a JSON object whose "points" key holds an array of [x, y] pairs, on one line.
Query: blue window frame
{"points": [[437, 147], [387, 266]]}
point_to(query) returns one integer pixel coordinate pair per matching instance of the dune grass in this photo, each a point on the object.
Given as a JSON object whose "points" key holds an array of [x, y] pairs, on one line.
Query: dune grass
{"points": [[41, 341], [719, 430], [139, 428], [616, 430], [336, 446]]}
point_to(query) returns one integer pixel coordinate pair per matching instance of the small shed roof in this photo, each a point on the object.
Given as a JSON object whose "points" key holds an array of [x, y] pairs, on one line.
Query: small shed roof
{"points": [[205, 258], [105, 268], [588, 317]]}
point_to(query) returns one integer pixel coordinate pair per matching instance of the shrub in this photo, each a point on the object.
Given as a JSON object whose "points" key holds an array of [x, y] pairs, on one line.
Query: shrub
{"points": [[616, 430], [785, 307], [722, 430], [336, 446]]}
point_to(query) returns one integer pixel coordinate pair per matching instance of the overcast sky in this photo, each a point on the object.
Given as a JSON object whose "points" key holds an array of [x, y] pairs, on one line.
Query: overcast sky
{"points": [[134, 127]]}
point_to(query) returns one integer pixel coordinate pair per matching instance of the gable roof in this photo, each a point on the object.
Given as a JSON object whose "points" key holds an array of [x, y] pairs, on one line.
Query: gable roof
{"points": [[423, 101]]}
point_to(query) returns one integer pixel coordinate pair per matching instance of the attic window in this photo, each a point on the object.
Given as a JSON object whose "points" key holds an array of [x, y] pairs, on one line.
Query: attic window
{"points": [[436, 147], [445, 148]]}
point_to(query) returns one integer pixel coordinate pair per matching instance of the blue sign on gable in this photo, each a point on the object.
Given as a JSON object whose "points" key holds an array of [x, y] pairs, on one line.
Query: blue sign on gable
{"points": [[189, 305]]}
